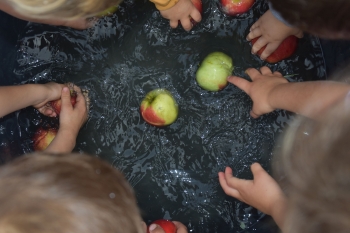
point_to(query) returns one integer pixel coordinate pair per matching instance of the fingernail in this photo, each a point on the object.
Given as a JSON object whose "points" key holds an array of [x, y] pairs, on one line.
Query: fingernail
{"points": [[65, 89], [152, 227]]}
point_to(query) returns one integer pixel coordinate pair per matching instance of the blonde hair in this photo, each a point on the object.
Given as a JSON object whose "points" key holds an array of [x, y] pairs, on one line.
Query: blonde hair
{"points": [[314, 164], [67, 9], [43, 193]]}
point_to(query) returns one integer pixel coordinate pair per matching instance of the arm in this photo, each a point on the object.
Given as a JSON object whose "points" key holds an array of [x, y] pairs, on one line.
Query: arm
{"points": [[262, 192], [271, 32], [13, 98], [71, 120], [77, 24], [270, 91], [182, 11]]}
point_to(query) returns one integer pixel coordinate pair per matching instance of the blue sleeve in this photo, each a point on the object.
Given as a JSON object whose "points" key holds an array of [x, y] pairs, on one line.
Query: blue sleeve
{"points": [[278, 16]]}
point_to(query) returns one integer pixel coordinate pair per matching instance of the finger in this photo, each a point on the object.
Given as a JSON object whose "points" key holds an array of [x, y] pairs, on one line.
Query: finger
{"points": [[276, 73], [259, 44], [257, 169], [186, 24], [253, 114], [255, 25], [174, 23], [265, 70], [270, 48], [253, 73], [241, 83], [155, 228], [181, 228], [300, 34], [144, 226], [196, 15], [254, 33], [65, 97], [227, 189]]}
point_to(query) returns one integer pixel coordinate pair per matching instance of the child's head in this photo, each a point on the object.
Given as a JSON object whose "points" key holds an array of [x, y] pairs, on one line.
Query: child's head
{"points": [[65, 193], [66, 9], [315, 166], [324, 18]]}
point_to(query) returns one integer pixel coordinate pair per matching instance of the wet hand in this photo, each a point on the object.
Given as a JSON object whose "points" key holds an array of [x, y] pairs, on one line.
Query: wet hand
{"points": [[51, 91], [262, 192], [263, 84], [271, 32], [183, 11]]}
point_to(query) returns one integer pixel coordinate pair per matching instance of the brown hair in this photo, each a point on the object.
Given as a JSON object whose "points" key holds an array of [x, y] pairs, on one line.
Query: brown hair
{"points": [[65, 193], [67, 9], [315, 166], [330, 19]]}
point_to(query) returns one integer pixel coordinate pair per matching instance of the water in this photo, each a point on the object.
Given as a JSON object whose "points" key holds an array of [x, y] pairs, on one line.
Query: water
{"points": [[172, 169]]}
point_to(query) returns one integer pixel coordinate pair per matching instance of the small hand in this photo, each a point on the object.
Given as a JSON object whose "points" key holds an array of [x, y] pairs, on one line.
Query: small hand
{"points": [[183, 11], [180, 228], [262, 192], [260, 89], [52, 91], [271, 32]]}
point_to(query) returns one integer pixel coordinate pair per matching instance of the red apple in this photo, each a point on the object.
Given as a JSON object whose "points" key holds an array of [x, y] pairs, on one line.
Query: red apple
{"points": [[236, 7], [284, 50], [56, 104], [159, 108], [43, 137], [167, 225]]}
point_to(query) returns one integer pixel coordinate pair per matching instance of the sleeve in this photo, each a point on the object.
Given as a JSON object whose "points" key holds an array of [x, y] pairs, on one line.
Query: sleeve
{"points": [[164, 4], [278, 15]]}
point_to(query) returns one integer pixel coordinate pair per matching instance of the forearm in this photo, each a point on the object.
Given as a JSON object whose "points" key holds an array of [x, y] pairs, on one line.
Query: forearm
{"points": [[279, 212], [64, 142], [308, 98], [13, 98]]}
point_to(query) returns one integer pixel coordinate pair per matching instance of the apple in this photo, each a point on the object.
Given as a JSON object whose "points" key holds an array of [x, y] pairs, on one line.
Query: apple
{"points": [[236, 7], [284, 50], [159, 108], [213, 71], [43, 137], [109, 11], [167, 225], [56, 104]]}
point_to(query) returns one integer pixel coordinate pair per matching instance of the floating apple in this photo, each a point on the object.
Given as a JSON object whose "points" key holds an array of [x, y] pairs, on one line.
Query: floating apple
{"points": [[214, 70], [236, 7], [168, 226], [56, 104], [159, 108], [43, 137], [284, 50], [109, 11]]}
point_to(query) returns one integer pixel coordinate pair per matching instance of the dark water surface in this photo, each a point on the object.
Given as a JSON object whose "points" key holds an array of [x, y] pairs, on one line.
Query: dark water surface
{"points": [[173, 169]]}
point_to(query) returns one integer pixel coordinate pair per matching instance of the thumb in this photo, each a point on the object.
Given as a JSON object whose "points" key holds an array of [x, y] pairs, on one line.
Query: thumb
{"points": [[65, 97], [154, 228]]}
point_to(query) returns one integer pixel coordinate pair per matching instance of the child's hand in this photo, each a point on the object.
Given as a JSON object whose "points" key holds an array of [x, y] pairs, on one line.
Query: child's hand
{"points": [[272, 32], [73, 118], [51, 91], [182, 11], [260, 89], [262, 193], [180, 228]]}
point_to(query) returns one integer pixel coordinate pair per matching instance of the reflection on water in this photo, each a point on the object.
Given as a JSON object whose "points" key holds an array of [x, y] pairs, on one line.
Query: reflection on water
{"points": [[173, 169]]}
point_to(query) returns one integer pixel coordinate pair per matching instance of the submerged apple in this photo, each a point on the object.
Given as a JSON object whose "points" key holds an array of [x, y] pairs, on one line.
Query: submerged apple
{"points": [[109, 11], [167, 225], [284, 50], [56, 104], [214, 70], [159, 108], [43, 137], [236, 7]]}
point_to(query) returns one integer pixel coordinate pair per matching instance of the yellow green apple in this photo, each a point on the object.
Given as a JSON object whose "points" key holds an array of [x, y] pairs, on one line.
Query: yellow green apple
{"points": [[43, 137], [159, 108], [213, 71]]}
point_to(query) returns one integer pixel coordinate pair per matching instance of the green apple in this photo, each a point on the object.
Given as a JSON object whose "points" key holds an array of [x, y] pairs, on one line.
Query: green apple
{"points": [[109, 11], [159, 108], [214, 70]]}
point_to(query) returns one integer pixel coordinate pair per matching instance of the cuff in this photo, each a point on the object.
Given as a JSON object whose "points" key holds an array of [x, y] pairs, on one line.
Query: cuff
{"points": [[278, 15], [164, 5]]}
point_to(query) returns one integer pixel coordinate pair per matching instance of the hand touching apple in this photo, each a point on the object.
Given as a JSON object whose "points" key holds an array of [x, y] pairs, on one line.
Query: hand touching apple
{"points": [[271, 32], [166, 226], [262, 192], [183, 11]]}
